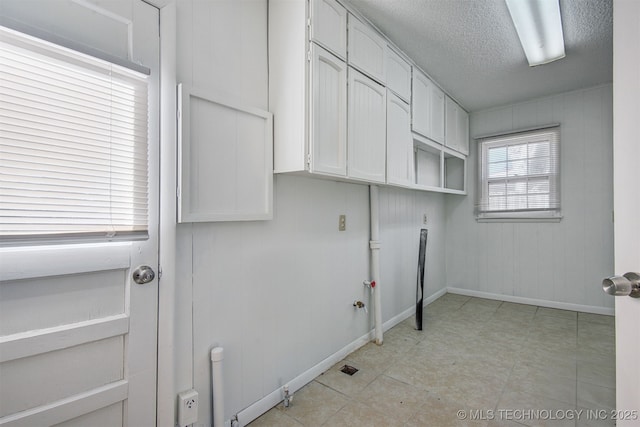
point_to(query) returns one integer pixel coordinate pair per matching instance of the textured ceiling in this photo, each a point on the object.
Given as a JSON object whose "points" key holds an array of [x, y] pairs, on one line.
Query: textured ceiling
{"points": [[471, 48]]}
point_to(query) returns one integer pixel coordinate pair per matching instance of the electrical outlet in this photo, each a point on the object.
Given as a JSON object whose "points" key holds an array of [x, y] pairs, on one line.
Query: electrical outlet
{"points": [[342, 223], [187, 407], [424, 219]]}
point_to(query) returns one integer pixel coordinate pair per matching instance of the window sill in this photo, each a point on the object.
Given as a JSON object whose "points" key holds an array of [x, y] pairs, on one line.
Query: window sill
{"points": [[506, 217]]}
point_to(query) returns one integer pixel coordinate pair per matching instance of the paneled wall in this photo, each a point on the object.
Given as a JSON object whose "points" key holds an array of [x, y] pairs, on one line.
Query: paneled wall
{"points": [[560, 262], [278, 295]]}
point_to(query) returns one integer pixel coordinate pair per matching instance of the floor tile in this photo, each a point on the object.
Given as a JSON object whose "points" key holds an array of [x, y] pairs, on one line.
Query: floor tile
{"points": [[554, 312], [356, 414], [595, 396], [596, 318], [398, 400], [315, 403], [442, 413], [276, 418]]}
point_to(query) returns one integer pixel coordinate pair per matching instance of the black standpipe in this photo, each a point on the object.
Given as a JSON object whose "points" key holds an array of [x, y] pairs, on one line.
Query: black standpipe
{"points": [[420, 282]]}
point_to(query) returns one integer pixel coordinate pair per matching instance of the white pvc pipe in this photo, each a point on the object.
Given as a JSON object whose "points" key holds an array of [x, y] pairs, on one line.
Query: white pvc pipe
{"points": [[217, 386], [374, 245]]}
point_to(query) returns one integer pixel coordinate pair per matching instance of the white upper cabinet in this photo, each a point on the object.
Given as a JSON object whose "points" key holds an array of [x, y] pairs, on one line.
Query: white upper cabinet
{"points": [[329, 26], [398, 75], [400, 166], [366, 138], [457, 127], [367, 50], [328, 113], [427, 108]]}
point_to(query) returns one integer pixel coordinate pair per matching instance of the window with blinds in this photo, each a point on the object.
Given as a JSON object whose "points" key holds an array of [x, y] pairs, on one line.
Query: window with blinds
{"points": [[519, 175], [73, 145]]}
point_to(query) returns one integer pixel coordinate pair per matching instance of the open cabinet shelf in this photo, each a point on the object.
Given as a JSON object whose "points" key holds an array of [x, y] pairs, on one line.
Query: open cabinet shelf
{"points": [[438, 168]]}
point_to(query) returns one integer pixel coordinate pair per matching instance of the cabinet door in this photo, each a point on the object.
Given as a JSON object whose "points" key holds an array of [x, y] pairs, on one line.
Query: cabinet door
{"points": [[367, 50], [398, 75], [437, 114], [457, 127], [400, 168], [462, 123], [329, 26], [328, 113], [367, 128], [421, 104]]}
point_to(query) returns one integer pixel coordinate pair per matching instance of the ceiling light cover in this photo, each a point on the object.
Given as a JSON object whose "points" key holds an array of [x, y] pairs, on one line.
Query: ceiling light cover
{"points": [[539, 27]]}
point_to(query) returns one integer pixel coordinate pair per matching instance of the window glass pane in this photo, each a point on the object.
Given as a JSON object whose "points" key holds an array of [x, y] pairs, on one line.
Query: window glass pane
{"points": [[517, 168], [538, 185], [539, 201], [517, 187], [498, 154], [539, 149], [498, 170], [497, 189], [539, 166], [517, 152], [516, 202], [497, 203]]}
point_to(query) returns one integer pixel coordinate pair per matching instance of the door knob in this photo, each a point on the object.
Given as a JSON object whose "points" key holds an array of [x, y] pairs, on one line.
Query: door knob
{"points": [[143, 274], [627, 284]]}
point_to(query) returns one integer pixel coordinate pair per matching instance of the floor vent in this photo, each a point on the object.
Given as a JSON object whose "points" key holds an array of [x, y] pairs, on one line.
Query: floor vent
{"points": [[349, 370]]}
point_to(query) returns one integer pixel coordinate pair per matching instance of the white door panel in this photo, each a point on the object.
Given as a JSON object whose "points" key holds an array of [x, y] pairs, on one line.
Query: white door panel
{"points": [[366, 140], [328, 113], [329, 26], [367, 50], [77, 335], [399, 142], [626, 193]]}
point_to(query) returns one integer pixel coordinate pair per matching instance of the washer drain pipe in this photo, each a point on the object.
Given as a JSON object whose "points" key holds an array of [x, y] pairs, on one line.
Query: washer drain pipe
{"points": [[374, 245]]}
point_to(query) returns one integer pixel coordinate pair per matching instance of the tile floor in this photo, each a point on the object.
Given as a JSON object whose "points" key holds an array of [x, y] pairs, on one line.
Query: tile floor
{"points": [[499, 363]]}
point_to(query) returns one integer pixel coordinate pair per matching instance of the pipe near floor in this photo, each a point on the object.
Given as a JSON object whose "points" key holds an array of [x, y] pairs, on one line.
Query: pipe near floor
{"points": [[217, 386], [374, 245]]}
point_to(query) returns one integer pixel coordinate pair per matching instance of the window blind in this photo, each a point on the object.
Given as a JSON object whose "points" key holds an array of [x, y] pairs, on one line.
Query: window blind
{"points": [[519, 173], [73, 145]]}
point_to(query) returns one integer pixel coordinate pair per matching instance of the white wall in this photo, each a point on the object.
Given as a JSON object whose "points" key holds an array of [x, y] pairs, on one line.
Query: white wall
{"points": [[560, 262], [278, 295]]}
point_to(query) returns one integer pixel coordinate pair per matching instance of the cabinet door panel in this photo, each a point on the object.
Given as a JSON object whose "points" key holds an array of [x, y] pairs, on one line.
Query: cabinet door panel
{"points": [[421, 104], [400, 168], [329, 26], [398, 75], [367, 128], [328, 113], [437, 114], [457, 127], [367, 50]]}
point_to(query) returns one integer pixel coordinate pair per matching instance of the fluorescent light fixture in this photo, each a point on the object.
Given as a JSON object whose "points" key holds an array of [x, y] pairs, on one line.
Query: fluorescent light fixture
{"points": [[539, 27]]}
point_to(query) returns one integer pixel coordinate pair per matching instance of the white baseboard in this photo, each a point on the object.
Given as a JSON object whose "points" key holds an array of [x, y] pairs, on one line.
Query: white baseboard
{"points": [[532, 301], [272, 399]]}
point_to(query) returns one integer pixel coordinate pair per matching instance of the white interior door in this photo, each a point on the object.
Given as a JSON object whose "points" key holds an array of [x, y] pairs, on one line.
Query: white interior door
{"points": [[77, 335], [626, 86]]}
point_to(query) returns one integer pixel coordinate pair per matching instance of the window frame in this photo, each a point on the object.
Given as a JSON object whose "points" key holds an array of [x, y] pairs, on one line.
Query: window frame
{"points": [[550, 213]]}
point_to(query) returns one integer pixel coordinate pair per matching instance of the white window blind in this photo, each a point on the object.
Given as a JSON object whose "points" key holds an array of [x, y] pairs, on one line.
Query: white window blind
{"points": [[519, 175], [73, 145]]}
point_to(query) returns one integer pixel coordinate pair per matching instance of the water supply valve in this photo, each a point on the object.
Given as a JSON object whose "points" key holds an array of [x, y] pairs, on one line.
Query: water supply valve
{"points": [[360, 304], [370, 284]]}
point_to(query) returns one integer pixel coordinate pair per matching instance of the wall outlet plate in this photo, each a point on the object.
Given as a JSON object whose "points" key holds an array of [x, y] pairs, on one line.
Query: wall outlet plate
{"points": [[187, 407], [342, 223]]}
